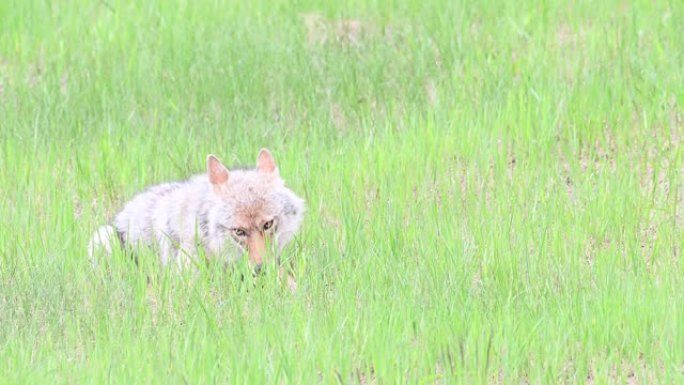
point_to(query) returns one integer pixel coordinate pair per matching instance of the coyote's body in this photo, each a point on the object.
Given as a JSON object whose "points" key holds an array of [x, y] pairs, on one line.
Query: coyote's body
{"points": [[223, 213]]}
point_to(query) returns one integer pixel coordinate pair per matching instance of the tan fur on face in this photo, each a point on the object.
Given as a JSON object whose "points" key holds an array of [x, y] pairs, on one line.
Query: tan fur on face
{"points": [[252, 212], [257, 247]]}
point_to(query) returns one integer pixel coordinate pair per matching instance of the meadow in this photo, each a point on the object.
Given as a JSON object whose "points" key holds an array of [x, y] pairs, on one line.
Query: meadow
{"points": [[494, 189]]}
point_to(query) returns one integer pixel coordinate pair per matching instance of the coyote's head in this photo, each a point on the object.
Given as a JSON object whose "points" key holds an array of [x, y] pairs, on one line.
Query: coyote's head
{"points": [[253, 209]]}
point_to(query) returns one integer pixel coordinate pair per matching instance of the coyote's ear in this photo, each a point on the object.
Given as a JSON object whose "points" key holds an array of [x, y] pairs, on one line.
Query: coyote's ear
{"points": [[218, 173], [265, 162]]}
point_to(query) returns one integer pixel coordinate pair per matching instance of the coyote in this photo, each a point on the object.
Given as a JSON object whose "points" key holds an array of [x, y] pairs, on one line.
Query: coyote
{"points": [[224, 213]]}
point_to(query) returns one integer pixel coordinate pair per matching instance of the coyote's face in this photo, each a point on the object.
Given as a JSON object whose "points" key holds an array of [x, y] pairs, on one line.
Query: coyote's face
{"points": [[254, 208]]}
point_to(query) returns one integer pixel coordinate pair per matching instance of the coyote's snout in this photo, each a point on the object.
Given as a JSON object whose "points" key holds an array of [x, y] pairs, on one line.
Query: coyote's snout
{"points": [[225, 213]]}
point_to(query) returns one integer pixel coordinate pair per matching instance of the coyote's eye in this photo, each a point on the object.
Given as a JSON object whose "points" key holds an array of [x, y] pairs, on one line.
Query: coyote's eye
{"points": [[268, 225], [239, 232]]}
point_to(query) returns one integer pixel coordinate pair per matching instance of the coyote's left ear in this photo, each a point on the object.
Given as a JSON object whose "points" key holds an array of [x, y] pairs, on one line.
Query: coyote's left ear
{"points": [[265, 162]]}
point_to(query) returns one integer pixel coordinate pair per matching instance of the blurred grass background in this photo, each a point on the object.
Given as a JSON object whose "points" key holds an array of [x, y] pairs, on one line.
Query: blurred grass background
{"points": [[494, 189]]}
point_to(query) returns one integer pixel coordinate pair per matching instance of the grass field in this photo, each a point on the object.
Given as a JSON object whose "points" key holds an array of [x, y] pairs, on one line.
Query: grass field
{"points": [[495, 190]]}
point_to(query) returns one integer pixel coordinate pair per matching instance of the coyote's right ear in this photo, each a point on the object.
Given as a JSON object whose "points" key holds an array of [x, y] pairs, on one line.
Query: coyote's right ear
{"points": [[218, 173]]}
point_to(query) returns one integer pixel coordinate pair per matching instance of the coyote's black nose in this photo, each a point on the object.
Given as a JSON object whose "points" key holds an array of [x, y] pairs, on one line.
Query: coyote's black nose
{"points": [[257, 268]]}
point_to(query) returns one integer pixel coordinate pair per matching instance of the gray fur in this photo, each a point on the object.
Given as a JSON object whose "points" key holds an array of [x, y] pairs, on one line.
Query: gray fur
{"points": [[175, 218]]}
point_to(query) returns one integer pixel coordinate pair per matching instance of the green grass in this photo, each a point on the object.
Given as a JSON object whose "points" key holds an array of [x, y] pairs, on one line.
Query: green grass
{"points": [[495, 190]]}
